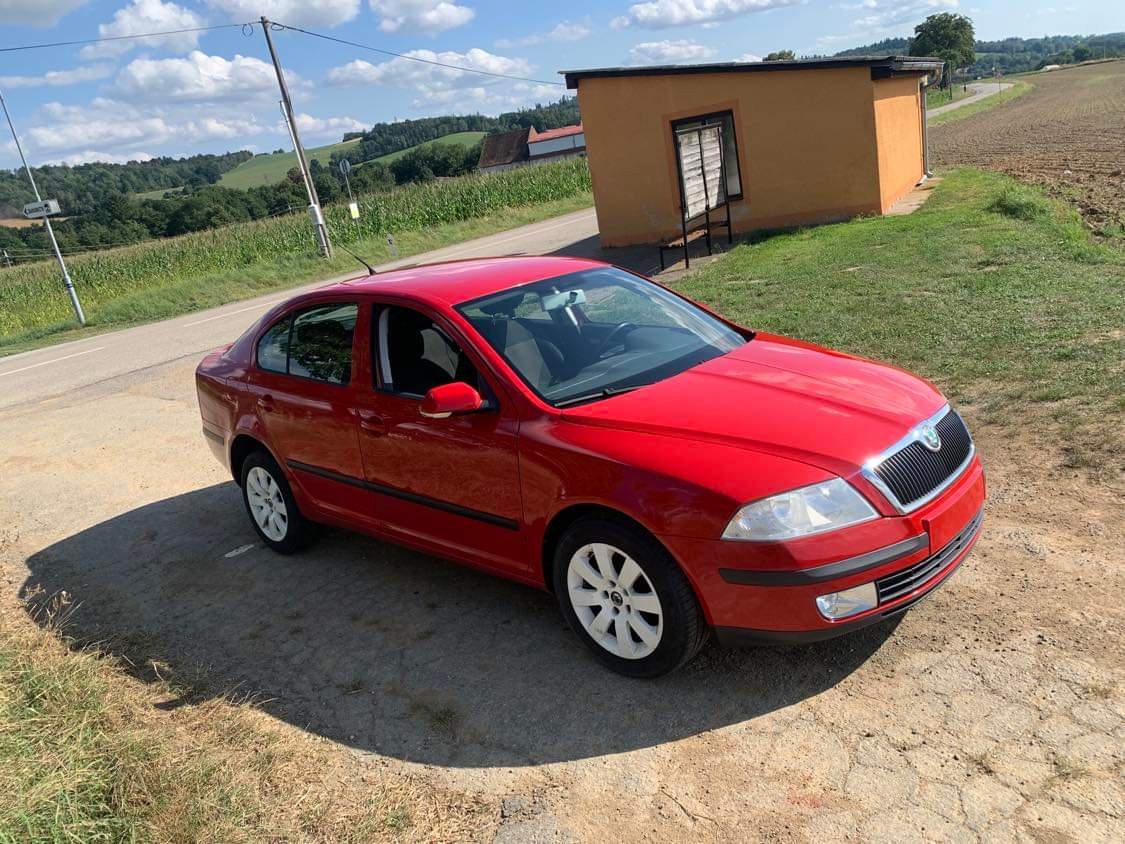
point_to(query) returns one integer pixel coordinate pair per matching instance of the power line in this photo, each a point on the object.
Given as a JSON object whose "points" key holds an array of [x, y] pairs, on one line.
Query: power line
{"points": [[122, 37], [417, 58]]}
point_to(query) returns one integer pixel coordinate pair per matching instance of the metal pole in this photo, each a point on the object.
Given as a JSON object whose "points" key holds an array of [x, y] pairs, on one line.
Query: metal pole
{"points": [[287, 109], [67, 283], [925, 132]]}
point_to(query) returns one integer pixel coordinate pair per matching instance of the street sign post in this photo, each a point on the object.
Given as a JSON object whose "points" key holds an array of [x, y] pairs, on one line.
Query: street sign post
{"points": [[43, 208], [353, 206]]}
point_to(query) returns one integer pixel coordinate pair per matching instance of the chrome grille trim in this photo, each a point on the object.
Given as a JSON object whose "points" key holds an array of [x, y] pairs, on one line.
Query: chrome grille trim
{"points": [[901, 583], [871, 466]]}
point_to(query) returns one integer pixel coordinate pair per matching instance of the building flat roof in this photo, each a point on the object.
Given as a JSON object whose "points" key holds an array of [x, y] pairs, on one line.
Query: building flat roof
{"points": [[881, 65]]}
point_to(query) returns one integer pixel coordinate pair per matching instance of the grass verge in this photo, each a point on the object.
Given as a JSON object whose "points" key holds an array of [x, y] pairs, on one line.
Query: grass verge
{"points": [[88, 753], [1018, 89], [176, 295], [991, 289]]}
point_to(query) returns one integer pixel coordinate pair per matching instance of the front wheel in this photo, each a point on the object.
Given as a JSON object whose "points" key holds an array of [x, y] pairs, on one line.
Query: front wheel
{"points": [[627, 599], [270, 504]]}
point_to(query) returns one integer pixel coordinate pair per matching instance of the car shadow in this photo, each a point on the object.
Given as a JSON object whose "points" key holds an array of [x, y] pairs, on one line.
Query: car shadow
{"points": [[389, 650]]}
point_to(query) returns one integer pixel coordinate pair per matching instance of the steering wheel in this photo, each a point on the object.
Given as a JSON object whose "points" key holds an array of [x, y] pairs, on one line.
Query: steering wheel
{"points": [[607, 343]]}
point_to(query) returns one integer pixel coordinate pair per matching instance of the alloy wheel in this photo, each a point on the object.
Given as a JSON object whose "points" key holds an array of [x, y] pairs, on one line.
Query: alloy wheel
{"points": [[267, 505], [615, 601]]}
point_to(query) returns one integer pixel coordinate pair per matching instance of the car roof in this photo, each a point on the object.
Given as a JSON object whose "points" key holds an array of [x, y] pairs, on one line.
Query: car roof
{"points": [[453, 282]]}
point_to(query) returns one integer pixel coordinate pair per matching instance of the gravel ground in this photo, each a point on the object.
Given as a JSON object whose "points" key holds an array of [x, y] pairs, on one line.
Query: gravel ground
{"points": [[994, 711], [1067, 133]]}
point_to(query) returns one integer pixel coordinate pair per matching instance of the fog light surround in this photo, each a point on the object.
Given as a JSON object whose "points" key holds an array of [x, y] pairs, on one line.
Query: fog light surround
{"points": [[848, 602]]}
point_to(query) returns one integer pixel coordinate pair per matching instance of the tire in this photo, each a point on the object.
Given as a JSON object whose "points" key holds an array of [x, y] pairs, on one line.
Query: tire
{"points": [[271, 506], [644, 589]]}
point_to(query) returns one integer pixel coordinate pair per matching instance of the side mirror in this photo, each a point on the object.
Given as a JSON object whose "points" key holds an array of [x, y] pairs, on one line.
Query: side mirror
{"points": [[447, 399]]}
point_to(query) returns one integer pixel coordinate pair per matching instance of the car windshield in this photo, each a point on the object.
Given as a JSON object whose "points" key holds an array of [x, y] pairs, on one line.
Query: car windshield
{"points": [[592, 334]]}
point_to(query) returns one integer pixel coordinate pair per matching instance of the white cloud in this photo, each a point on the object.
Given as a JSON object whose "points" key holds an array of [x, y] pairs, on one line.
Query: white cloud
{"points": [[36, 12], [560, 33], [114, 128], [434, 83], [88, 156], [426, 16], [198, 77], [56, 78], [669, 52], [884, 18], [295, 12], [660, 14], [147, 16], [309, 125]]}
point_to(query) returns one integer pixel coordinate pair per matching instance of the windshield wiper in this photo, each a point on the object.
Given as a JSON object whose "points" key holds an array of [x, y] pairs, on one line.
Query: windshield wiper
{"points": [[603, 393]]}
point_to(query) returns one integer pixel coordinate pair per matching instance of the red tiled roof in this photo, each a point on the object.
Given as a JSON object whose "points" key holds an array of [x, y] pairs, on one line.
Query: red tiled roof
{"points": [[561, 132]]}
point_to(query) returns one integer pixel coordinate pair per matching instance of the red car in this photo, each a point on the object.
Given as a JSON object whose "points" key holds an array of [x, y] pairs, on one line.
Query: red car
{"points": [[575, 427]]}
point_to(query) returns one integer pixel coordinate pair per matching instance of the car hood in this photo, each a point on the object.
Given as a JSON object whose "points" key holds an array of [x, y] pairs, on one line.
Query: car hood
{"points": [[781, 397]]}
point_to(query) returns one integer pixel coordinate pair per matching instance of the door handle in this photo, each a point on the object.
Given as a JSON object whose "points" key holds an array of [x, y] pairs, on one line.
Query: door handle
{"points": [[371, 422], [266, 403]]}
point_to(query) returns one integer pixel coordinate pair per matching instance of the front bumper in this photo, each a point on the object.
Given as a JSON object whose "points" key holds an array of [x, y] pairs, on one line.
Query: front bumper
{"points": [[753, 593], [910, 586]]}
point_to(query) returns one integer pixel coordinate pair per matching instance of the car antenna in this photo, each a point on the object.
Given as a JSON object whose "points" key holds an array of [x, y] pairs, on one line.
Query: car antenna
{"points": [[370, 269]]}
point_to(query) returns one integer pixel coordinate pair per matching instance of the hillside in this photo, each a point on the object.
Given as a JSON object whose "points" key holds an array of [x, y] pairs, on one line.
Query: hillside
{"points": [[461, 139], [270, 168]]}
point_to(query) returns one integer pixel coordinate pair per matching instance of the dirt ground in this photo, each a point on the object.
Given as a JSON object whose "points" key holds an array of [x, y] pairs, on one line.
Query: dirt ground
{"points": [[1067, 133], [993, 711]]}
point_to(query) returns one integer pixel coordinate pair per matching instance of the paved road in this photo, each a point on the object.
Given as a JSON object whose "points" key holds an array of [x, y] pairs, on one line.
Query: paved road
{"points": [[980, 91], [46, 373]]}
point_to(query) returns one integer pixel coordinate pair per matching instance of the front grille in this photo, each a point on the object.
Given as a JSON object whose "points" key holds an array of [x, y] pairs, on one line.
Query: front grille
{"points": [[906, 581], [913, 472]]}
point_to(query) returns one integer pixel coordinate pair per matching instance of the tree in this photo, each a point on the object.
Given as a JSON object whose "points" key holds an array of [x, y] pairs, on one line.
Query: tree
{"points": [[780, 56], [948, 37], [1082, 53]]}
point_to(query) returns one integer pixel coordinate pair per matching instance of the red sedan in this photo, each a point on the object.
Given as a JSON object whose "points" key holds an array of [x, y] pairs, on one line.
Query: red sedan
{"points": [[576, 427]]}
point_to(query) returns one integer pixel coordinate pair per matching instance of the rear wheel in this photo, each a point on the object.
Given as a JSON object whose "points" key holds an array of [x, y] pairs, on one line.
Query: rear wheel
{"points": [[270, 504], [626, 598]]}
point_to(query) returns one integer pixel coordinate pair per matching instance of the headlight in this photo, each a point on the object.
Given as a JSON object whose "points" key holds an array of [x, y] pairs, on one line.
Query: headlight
{"points": [[812, 509]]}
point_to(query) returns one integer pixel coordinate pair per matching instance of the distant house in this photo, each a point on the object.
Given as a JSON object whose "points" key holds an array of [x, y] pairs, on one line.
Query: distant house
{"points": [[506, 150], [564, 142]]}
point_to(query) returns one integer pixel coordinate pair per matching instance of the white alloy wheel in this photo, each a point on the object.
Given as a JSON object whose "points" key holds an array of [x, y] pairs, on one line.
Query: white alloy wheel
{"points": [[267, 504], [614, 601]]}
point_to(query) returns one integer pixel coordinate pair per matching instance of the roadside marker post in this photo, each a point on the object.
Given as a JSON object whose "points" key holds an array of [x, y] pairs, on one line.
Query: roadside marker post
{"points": [[44, 209]]}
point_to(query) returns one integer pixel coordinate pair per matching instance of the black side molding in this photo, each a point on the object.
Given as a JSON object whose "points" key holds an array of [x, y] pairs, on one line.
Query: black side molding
{"points": [[437, 504], [830, 571]]}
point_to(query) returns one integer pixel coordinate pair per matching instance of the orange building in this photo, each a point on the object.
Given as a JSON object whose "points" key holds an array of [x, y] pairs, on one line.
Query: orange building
{"points": [[803, 141]]}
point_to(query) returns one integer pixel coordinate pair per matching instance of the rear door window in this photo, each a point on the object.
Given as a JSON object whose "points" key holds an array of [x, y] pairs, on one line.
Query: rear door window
{"points": [[315, 343]]}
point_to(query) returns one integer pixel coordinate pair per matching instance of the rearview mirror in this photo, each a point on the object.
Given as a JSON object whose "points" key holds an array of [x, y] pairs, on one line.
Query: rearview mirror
{"points": [[447, 399]]}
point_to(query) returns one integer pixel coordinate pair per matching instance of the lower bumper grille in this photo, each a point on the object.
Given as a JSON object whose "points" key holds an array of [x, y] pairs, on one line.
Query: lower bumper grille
{"points": [[901, 583]]}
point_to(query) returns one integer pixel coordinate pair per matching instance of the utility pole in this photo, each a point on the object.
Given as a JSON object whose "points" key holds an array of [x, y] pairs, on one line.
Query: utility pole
{"points": [[67, 283], [315, 211]]}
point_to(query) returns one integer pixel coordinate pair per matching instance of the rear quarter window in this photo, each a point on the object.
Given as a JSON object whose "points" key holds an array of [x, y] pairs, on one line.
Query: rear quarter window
{"points": [[273, 348]]}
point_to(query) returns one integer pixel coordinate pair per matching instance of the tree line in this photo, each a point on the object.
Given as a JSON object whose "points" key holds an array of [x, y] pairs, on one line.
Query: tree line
{"points": [[1012, 55]]}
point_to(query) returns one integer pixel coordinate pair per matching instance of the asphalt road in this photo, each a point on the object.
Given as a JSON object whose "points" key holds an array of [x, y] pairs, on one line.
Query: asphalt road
{"points": [[980, 91], [46, 373]]}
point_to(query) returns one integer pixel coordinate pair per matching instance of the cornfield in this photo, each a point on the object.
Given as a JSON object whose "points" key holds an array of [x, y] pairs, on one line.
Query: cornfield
{"points": [[31, 296]]}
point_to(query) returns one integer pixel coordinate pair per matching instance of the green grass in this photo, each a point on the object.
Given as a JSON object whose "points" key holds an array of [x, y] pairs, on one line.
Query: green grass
{"points": [[270, 168], [991, 289], [1018, 89], [157, 194], [463, 139], [944, 96], [161, 278]]}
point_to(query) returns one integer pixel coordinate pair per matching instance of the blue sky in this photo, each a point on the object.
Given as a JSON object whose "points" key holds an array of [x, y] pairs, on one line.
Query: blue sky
{"points": [[214, 91]]}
